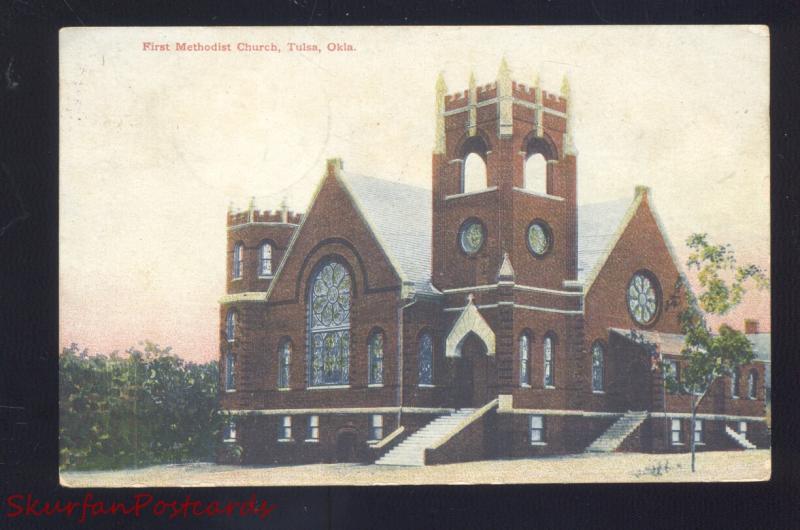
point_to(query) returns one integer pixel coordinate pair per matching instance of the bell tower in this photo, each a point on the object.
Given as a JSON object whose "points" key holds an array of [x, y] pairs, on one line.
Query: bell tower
{"points": [[492, 131]]}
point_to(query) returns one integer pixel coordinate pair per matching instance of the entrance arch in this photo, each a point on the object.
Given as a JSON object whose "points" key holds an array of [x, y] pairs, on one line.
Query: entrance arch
{"points": [[471, 374]]}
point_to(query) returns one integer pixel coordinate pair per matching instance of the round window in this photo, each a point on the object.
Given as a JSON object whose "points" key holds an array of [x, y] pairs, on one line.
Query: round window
{"points": [[644, 298], [471, 236], [539, 238]]}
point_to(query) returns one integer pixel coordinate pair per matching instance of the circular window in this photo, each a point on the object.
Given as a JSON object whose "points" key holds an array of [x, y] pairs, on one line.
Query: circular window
{"points": [[644, 298], [539, 238], [471, 236]]}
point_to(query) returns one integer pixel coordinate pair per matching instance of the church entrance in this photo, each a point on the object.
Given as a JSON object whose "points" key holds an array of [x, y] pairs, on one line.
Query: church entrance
{"points": [[471, 373], [346, 446]]}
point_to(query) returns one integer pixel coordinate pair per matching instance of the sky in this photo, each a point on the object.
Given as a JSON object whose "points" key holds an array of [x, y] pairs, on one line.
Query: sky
{"points": [[155, 145]]}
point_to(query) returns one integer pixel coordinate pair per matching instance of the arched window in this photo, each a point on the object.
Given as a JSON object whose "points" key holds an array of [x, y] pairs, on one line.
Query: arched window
{"points": [[598, 362], [375, 347], [425, 376], [735, 383], [524, 359], [230, 372], [237, 260], [284, 362], [752, 385], [474, 173], [329, 326], [230, 325], [536, 173], [548, 361], [265, 259]]}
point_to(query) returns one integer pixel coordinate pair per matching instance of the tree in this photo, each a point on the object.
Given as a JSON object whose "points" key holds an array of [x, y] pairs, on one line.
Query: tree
{"points": [[708, 356]]}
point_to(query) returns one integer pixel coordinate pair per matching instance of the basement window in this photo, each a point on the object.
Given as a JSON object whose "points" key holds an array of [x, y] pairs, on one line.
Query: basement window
{"points": [[376, 427], [313, 429], [230, 432], [537, 429], [698, 431], [285, 430], [675, 432]]}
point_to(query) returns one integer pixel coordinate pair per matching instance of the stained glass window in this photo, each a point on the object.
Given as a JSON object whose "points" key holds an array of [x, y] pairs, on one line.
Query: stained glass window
{"points": [[284, 360], [538, 238], [548, 361], [265, 268], [230, 372], [329, 326], [597, 366], [425, 359], [524, 355], [376, 358], [230, 325], [237, 260], [643, 298], [471, 236]]}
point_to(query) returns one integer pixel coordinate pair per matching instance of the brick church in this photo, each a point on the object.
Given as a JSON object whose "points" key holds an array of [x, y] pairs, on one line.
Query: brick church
{"points": [[490, 316]]}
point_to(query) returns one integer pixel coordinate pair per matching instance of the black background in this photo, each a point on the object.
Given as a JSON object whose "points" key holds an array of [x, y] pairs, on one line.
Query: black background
{"points": [[29, 281]]}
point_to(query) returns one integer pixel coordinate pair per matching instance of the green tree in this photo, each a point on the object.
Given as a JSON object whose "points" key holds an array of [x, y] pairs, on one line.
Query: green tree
{"points": [[708, 356]]}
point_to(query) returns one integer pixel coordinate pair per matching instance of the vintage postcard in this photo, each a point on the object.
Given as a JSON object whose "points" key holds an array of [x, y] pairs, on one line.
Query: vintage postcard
{"points": [[414, 255]]}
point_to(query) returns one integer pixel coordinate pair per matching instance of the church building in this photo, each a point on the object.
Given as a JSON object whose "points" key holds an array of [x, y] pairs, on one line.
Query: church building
{"points": [[489, 316]]}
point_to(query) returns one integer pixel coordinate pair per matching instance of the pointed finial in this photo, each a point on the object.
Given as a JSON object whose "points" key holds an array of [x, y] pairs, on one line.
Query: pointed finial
{"points": [[252, 204], [506, 272], [504, 70], [472, 81], [284, 205], [565, 86], [230, 206], [536, 79], [470, 298], [441, 86]]}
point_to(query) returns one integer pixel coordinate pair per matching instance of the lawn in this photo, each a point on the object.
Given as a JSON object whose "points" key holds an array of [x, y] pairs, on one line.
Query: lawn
{"points": [[615, 467]]}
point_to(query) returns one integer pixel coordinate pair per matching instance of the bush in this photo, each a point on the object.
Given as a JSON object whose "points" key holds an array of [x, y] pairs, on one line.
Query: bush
{"points": [[147, 407]]}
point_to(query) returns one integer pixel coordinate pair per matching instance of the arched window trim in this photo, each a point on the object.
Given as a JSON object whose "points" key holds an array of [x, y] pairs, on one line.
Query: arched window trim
{"points": [[524, 345], [598, 366], [329, 344], [549, 361], [238, 260], [265, 251], [375, 357], [230, 372], [230, 325], [425, 363], [284, 363], [474, 145]]}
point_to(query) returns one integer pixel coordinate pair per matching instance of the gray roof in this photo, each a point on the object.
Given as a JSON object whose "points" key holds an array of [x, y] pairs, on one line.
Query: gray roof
{"points": [[400, 217], [597, 225], [669, 343]]}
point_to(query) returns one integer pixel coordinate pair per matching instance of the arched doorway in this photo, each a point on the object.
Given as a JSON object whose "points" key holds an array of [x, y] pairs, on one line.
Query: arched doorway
{"points": [[346, 446], [471, 385]]}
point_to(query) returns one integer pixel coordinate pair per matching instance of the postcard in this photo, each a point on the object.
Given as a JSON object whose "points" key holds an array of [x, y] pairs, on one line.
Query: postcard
{"points": [[414, 255]]}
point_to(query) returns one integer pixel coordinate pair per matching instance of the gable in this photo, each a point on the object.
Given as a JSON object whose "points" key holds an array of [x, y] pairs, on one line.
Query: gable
{"points": [[333, 224]]}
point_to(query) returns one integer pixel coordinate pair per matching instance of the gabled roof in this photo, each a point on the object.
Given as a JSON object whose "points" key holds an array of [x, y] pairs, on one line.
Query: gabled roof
{"points": [[399, 216], [598, 227], [669, 343]]}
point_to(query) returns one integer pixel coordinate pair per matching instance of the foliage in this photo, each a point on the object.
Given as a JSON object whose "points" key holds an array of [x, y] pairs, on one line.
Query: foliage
{"points": [[146, 407]]}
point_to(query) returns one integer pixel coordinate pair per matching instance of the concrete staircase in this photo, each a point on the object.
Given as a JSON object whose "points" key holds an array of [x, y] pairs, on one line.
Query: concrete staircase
{"points": [[739, 438], [610, 440], [411, 451]]}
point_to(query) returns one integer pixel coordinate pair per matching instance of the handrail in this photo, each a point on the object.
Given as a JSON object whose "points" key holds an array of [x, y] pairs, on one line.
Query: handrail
{"points": [[383, 442], [465, 423]]}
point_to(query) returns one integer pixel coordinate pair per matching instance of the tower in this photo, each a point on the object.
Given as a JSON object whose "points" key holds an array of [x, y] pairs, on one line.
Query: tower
{"points": [[503, 124]]}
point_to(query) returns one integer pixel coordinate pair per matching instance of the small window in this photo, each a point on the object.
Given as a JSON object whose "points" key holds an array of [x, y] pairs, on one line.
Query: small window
{"points": [[537, 429], [313, 428], [230, 326], [672, 372], [230, 432], [598, 360], [752, 385], [284, 363], [735, 384], [230, 372], [425, 375], [675, 432], [549, 380], [536, 173], [474, 173], [285, 431], [375, 352], [265, 260], [698, 431], [376, 427], [237, 260], [742, 427], [524, 359]]}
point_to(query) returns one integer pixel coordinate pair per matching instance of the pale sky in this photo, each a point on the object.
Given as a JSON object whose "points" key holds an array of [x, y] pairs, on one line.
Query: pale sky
{"points": [[155, 144]]}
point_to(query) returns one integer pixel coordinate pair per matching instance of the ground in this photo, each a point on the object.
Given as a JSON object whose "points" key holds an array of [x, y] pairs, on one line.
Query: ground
{"points": [[615, 467]]}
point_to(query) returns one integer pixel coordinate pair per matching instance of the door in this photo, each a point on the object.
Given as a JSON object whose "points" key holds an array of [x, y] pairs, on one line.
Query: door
{"points": [[472, 386], [346, 446]]}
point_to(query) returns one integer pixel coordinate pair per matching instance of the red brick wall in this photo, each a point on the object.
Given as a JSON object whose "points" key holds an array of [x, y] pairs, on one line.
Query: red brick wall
{"points": [[251, 236]]}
